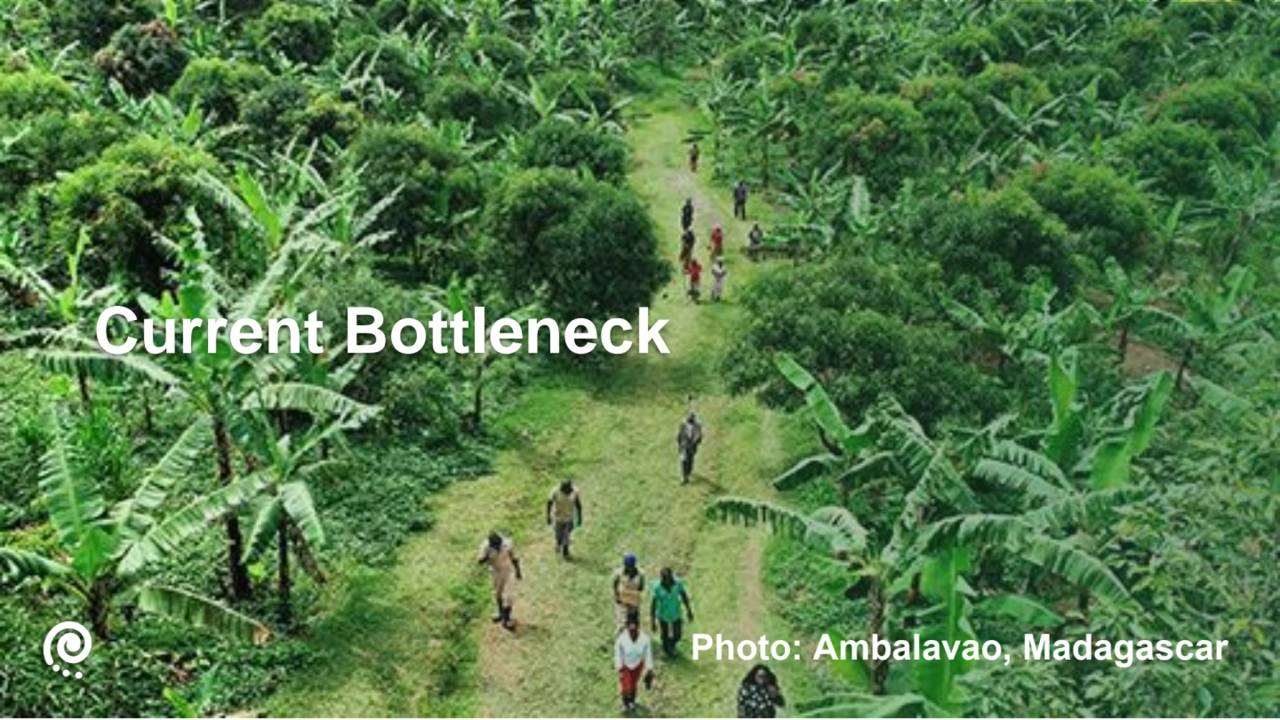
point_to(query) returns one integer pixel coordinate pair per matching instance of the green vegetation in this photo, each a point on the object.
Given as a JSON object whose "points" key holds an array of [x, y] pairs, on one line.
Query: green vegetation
{"points": [[1016, 373]]}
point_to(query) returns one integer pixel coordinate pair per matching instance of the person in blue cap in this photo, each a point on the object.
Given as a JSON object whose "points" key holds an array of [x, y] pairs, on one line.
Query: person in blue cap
{"points": [[628, 590]]}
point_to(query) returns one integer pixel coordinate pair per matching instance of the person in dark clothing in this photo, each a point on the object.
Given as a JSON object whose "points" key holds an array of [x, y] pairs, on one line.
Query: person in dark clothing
{"points": [[740, 200], [758, 695], [686, 215], [687, 241], [688, 438], [693, 157]]}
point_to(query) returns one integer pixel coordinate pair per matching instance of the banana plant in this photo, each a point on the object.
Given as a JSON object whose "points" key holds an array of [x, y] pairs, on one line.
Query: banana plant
{"points": [[289, 461], [1129, 302], [458, 298], [70, 305], [101, 554], [1210, 320], [939, 512]]}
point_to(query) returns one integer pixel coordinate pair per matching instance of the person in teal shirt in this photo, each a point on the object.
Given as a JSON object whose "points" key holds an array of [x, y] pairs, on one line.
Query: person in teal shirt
{"points": [[664, 611]]}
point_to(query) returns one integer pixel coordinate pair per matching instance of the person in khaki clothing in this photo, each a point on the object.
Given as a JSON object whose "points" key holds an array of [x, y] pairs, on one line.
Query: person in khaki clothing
{"points": [[564, 513], [628, 590], [497, 552]]}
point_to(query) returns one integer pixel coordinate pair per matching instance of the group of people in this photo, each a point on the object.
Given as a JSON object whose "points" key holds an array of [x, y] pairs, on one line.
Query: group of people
{"points": [[688, 261], [693, 268]]}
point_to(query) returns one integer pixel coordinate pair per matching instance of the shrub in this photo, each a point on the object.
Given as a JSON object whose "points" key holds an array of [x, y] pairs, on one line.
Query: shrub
{"points": [[1010, 83], [746, 59], [585, 248], [1111, 216], [991, 246], [286, 109], [561, 143], [510, 57], [220, 87], [946, 105], [866, 338], [434, 185], [414, 16], [970, 49], [1238, 111], [137, 189], [143, 58], [23, 94], [817, 29], [880, 137], [301, 33], [1138, 50], [1175, 156], [578, 90], [54, 142], [485, 106], [93, 22], [387, 58]]}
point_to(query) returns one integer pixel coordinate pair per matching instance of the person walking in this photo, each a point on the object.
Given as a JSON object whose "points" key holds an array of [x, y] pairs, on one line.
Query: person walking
{"points": [[718, 273], [498, 553], [664, 610], [686, 215], [740, 200], [717, 242], [564, 513], [688, 438], [694, 270], [633, 660], [628, 589], [758, 695], [693, 157], [687, 242]]}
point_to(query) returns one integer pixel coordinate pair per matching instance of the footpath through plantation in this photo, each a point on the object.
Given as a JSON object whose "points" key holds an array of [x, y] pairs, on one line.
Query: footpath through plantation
{"points": [[418, 641]]}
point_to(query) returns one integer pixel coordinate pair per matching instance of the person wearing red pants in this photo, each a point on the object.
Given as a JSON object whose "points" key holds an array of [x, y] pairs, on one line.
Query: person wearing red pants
{"points": [[633, 659]]}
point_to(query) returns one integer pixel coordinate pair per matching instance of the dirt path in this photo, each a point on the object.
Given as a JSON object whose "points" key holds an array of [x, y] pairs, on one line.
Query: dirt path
{"points": [[428, 648]]}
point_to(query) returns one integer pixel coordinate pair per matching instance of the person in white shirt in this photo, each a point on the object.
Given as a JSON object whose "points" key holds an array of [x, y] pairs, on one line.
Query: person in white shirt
{"points": [[633, 659]]}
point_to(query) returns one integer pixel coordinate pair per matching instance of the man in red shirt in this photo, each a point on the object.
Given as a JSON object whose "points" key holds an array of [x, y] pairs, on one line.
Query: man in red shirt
{"points": [[717, 242], [695, 278]]}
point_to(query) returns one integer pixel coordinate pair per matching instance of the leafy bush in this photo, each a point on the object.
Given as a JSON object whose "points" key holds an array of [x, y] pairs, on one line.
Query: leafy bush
{"points": [[1175, 156], [1010, 83], [287, 109], [746, 59], [485, 106], [1110, 214], [587, 249], [435, 186], [970, 49], [301, 33], [144, 57], [578, 90], [388, 59], [23, 94], [508, 56], [946, 105], [866, 338], [560, 143], [93, 22], [137, 189], [817, 30], [880, 137], [1138, 50], [1238, 111], [52, 143], [414, 16], [992, 245], [220, 87]]}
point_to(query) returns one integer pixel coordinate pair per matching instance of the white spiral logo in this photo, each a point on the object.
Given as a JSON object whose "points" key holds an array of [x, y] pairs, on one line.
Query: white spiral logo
{"points": [[73, 647]]}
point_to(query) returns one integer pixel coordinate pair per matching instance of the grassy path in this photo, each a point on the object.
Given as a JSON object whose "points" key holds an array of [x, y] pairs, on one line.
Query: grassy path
{"points": [[416, 640]]}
